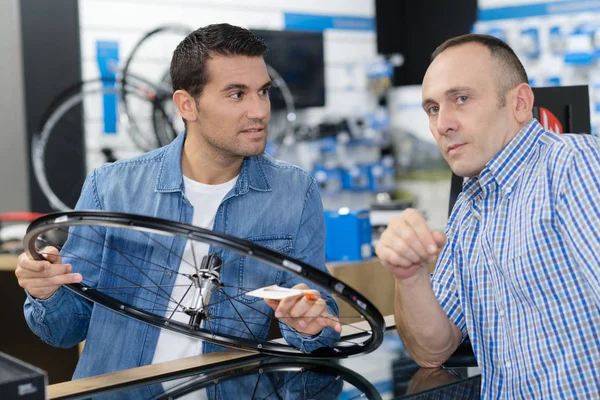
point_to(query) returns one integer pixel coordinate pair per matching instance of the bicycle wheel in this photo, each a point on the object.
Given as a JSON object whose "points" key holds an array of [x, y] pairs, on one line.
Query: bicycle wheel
{"points": [[131, 265], [276, 379], [148, 60], [60, 133]]}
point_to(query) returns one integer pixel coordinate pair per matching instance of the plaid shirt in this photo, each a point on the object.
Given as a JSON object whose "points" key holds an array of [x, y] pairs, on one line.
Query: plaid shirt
{"points": [[521, 270]]}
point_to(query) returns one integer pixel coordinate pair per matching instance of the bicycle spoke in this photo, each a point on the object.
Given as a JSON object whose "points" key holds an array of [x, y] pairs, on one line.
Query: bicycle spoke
{"points": [[283, 384], [194, 257], [247, 305], [242, 319], [180, 301], [256, 386], [116, 264], [122, 277]]}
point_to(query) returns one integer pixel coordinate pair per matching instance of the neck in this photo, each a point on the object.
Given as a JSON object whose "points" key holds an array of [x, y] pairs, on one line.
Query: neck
{"points": [[202, 163]]}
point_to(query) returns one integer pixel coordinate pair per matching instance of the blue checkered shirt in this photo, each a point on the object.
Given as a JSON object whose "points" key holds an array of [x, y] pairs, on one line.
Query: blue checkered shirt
{"points": [[521, 270]]}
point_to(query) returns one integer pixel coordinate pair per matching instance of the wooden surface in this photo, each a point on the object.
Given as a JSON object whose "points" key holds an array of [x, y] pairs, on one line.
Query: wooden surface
{"points": [[371, 280], [145, 372], [155, 370], [8, 262]]}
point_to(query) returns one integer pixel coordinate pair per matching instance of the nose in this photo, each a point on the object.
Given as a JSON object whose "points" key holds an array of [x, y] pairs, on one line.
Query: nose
{"points": [[446, 121], [259, 107]]}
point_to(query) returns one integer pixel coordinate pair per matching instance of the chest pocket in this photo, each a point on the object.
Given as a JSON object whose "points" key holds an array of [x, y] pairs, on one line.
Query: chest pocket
{"points": [[254, 274]]}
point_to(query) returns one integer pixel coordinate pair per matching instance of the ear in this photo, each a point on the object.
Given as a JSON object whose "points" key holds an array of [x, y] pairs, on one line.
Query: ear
{"points": [[524, 103], [186, 105]]}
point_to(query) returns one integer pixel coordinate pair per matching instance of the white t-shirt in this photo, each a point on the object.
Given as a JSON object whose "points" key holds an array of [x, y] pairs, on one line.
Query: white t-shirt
{"points": [[206, 200]]}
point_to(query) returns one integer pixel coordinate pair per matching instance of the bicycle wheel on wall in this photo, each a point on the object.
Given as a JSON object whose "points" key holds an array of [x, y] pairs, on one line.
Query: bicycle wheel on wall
{"points": [[60, 128], [149, 60], [131, 264]]}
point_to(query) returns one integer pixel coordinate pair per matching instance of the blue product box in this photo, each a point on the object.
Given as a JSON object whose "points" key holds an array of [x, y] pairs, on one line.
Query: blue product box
{"points": [[348, 235]]}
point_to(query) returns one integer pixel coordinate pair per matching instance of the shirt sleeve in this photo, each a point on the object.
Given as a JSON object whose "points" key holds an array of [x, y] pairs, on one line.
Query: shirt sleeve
{"points": [[578, 212], [443, 282], [62, 320]]}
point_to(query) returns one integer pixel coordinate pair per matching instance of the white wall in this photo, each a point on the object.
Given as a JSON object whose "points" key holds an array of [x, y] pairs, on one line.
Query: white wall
{"points": [[125, 21]]}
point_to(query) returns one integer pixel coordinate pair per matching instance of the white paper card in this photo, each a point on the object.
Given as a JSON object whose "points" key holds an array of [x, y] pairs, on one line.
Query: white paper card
{"points": [[275, 292]]}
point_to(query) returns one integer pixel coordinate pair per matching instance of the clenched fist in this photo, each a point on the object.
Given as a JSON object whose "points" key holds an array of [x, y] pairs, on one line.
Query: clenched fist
{"points": [[408, 246]]}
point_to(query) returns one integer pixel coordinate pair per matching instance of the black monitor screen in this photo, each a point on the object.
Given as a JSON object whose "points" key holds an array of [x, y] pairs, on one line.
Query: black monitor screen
{"points": [[298, 58]]}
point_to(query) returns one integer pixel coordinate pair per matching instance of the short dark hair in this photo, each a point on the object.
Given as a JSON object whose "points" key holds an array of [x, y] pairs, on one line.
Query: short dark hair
{"points": [[188, 65], [512, 72]]}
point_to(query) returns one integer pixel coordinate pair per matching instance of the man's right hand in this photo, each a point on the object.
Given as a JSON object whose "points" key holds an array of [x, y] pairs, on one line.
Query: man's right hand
{"points": [[41, 278], [408, 246]]}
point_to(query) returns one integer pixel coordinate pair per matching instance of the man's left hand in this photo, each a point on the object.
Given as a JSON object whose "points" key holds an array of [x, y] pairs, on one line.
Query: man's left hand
{"points": [[306, 313]]}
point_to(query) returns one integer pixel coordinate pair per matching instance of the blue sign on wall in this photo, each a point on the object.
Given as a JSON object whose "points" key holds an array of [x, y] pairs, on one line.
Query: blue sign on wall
{"points": [[107, 54], [318, 23]]}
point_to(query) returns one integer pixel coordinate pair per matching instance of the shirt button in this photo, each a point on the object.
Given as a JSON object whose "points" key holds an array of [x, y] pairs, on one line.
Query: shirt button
{"points": [[168, 273], [501, 313], [508, 365]]}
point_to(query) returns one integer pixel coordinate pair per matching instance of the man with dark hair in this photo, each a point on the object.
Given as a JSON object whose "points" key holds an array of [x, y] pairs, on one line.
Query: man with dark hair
{"points": [[518, 263], [214, 175]]}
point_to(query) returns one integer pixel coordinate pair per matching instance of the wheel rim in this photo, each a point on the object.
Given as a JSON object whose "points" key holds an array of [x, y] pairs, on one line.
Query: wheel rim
{"points": [[156, 306]]}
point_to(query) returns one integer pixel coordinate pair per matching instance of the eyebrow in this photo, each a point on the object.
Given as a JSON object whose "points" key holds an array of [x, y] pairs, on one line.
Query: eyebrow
{"points": [[450, 91], [242, 86]]}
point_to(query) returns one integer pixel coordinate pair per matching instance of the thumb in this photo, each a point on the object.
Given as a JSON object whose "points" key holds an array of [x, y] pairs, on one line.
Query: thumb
{"points": [[439, 238], [51, 254]]}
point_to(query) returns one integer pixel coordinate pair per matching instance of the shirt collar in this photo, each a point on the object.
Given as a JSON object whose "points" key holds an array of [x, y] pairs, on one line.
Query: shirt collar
{"points": [[170, 175]]}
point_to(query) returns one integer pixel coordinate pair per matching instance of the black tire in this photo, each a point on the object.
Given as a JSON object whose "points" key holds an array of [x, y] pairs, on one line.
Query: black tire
{"points": [[275, 376], [95, 228]]}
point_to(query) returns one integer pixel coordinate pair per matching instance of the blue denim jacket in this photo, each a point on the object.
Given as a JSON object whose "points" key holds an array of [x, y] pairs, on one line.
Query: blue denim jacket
{"points": [[273, 204]]}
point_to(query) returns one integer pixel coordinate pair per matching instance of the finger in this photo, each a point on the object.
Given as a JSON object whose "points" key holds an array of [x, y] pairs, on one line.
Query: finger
{"points": [[300, 307], [411, 238], [389, 257], [51, 254], [305, 313], [318, 315], [400, 248], [425, 236], [285, 305], [28, 264], [300, 286], [52, 282], [48, 270], [440, 238]]}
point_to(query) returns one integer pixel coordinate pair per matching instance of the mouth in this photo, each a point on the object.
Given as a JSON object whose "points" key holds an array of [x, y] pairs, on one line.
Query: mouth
{"points": [[258, 131], [455, 148]]}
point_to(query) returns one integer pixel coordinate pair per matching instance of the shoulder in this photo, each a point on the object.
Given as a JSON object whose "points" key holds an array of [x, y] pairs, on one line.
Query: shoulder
{"points": [[149, 159], [565, 147]]}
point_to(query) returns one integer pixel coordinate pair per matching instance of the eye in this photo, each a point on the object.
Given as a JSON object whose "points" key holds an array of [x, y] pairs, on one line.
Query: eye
{"points": [[236, 95], [462, 99], [265, 91], [433, 110]]}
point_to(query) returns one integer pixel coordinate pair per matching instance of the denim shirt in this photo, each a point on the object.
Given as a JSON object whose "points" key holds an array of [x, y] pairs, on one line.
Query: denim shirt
{"points": [[273, 204]]}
